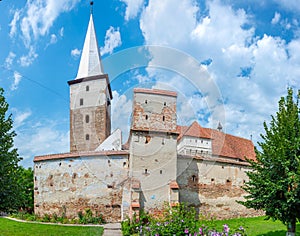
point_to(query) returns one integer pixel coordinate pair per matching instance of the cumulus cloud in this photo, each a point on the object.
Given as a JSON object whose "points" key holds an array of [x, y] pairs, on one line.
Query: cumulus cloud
{"points": [[20, 117], [13, 23], [276, 18], [121, 110], [27, 60], [39, 17], [17, 79], [250, 72], [133, 7], [40, 138], [75, 52], [9, 60], [53, 39], [112, 40]]}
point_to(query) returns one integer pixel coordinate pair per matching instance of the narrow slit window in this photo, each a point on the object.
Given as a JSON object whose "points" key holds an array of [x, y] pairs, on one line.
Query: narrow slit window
{"points": [[146, 117], [165, 103], [146, 171], [194, 178], [163, 118], [87, 137], [146, 101], [160, 171], [87, 119], [87, 88], [81, 101]]}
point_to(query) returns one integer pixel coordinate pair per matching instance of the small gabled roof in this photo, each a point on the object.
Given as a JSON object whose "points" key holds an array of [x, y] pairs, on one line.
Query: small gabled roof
{"points": [[195, 130], [90, 61]]}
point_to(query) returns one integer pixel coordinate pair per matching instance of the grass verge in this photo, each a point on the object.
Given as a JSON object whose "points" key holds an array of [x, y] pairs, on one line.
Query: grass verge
{"points": [[12, 228], [256, 226]]}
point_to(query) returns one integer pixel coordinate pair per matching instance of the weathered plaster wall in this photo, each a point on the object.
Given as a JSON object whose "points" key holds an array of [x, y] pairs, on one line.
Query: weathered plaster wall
{"points": [[89, 114], [154, 165], [153, 144], [73, 184], [154, 112], [213, 187]]}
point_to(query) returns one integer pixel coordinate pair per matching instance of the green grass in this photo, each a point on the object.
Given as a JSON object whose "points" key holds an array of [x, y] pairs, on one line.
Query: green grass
{"points": [[256, 226], [12, 228]]}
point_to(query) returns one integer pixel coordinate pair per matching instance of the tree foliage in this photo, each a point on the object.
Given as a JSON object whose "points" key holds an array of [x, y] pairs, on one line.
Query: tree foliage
{"points": [[15, 181], [274, 183]]}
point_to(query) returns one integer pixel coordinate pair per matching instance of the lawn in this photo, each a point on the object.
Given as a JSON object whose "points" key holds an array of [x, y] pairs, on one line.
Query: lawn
{"points": [[12, 228], [256, 226]]}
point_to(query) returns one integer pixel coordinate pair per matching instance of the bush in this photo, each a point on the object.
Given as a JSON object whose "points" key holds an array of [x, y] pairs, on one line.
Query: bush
{"points": [[178, 220]]}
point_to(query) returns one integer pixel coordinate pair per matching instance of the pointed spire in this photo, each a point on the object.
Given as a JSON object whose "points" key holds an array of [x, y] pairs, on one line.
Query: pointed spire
{"points": [[220, 127], [90, 61]]}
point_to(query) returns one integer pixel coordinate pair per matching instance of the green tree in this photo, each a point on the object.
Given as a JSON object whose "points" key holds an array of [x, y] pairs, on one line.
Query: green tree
{"points": [[9, 158], [26, 186], [274, 183]]}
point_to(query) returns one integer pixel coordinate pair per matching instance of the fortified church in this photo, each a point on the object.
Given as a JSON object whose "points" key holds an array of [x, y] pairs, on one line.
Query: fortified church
{"points": [[161, 162]]}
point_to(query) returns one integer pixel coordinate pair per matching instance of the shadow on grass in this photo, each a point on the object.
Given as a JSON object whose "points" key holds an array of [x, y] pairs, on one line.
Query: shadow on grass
{"points": [[274, 233]]}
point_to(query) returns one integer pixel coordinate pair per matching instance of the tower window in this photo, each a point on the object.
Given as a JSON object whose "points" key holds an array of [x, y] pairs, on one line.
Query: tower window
{"points": [[87, 88], [87, 137], [108, 102], [81, 101], [146, 171], [165, 103], [160, 171], [146, 117], [194, 178], [163, 118], [146, 101], [87, 119]]}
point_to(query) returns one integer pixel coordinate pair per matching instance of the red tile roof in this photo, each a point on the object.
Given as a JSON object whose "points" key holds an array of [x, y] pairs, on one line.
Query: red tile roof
{"points": [[155, 91], [225, 145], [174, 185], [79, 154]]}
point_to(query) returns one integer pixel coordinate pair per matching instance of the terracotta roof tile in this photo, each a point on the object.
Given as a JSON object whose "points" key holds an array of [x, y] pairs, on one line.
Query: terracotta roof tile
{"points": [[155, 91], [225, 145], [79, 154], [174, 185], [135, 205]]}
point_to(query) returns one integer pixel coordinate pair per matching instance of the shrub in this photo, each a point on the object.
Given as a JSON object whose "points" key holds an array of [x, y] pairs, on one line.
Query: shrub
{"points": [[178, 220]]}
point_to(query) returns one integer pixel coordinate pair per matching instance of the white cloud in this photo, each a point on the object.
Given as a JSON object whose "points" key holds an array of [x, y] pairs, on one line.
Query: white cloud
{"points": [[121, 110], [61, 31], [112, 40], [40, 138], [53, 39], [37, 17], [133, 7], [289, 5], [20, 117], [28, 59], [276, 18], [13, 23], [249, 97], [9, 60], [17, 79], [75, 52]]}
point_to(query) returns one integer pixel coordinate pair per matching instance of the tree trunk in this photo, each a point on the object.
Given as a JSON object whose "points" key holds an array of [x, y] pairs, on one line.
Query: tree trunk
{"points": [[291, 228]]}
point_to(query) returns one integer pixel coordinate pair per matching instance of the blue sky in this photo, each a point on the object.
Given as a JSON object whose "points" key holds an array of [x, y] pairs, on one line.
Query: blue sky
{"points": [[229, 61]]}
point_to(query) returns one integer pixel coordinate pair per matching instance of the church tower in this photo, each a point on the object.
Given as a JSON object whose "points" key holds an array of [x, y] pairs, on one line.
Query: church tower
{"points": [[90, 98]]}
